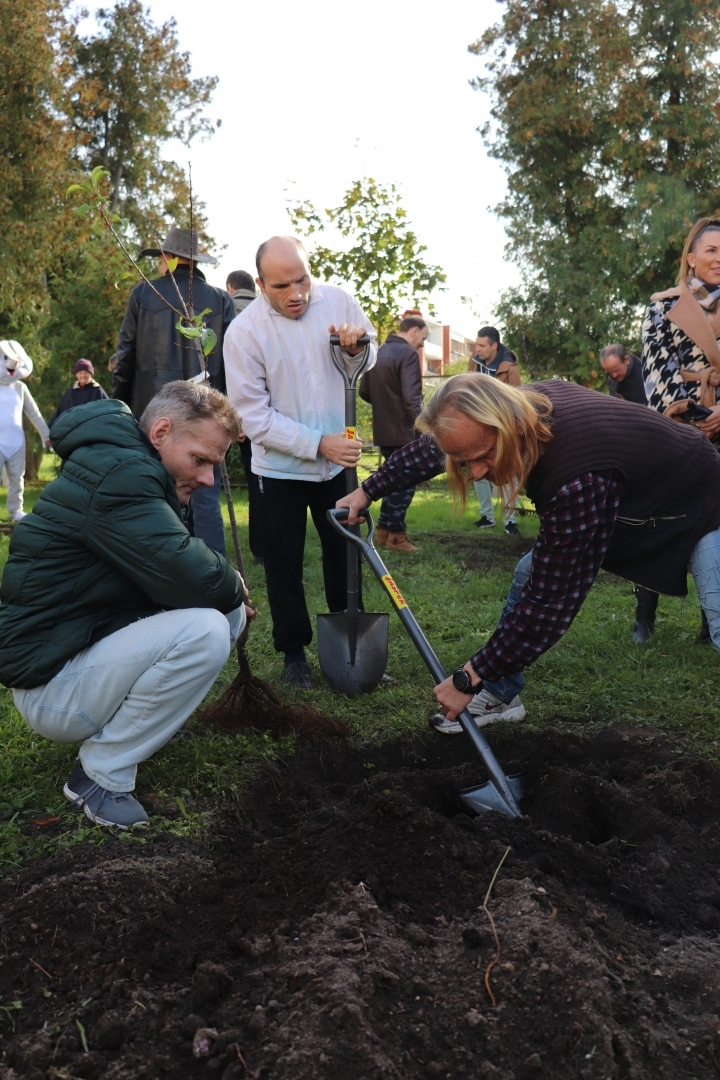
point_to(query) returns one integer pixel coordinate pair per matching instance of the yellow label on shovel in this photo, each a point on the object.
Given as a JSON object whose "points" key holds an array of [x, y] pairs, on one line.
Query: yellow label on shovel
{"points": [[350, 432], [395, 595]]}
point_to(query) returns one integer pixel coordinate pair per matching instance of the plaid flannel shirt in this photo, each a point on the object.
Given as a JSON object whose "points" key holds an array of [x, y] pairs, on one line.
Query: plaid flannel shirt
{"points": [[576, 526]]}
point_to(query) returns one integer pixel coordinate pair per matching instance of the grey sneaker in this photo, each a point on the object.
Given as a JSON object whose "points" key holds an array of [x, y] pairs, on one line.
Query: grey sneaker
{"points": [[118, 808], [485, 708]]}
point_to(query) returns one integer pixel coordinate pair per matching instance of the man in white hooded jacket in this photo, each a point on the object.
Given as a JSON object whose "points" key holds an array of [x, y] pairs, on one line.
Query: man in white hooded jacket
{"points": [[281, 379], [16, 399]]}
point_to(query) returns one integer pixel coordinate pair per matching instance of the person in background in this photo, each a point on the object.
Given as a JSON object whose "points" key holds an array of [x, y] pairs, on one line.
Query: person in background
{"points": [[241, 288], [84, 390], [624, 374], [680, 351], [624, 380], [16, 401], [283, 383], [151, 351], [394, 389], [491, 357]]}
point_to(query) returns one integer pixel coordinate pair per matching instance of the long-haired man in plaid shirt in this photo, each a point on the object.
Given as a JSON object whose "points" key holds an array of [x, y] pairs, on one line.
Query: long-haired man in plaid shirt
{"points": [[615, 485]]}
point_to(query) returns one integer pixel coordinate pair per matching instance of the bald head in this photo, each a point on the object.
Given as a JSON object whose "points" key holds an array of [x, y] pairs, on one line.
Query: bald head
{"points": [[284, 275]]}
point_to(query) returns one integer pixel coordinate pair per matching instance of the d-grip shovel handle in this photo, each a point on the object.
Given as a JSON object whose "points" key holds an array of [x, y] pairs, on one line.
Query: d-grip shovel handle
{"points": [[361, 341], [498, 778]]}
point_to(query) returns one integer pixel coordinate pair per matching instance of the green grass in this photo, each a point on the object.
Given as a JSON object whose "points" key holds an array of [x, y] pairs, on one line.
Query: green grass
{"points": [[456, 585]]}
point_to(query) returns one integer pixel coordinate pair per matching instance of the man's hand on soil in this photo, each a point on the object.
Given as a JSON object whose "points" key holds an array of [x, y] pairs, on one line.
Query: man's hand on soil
{"points": [[340, 450], [450, 700], [355, 502]]}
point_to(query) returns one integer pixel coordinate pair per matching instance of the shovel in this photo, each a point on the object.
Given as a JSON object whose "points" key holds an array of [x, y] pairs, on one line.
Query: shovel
{"points": [[501, 792], [352, 644]]}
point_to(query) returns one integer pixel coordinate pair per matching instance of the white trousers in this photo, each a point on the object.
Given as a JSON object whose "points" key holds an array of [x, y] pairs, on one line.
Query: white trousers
{"points": [[14, 467], [126, 696]]}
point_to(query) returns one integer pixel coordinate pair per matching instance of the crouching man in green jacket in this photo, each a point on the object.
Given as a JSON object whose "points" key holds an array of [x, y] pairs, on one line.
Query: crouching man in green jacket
{"points": [[115, 621]]}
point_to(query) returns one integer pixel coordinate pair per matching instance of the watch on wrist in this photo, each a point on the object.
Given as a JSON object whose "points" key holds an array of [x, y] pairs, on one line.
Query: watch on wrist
{"points": [[462, 681]]}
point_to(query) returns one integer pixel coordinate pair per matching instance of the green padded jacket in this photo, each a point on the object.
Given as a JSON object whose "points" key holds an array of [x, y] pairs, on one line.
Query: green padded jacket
{"points": [[105, 545]]}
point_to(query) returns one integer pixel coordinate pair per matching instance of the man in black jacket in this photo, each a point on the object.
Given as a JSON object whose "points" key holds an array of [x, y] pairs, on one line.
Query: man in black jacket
{"points": [[624, 380], [394, 389], [151, 352], [624, 374]]}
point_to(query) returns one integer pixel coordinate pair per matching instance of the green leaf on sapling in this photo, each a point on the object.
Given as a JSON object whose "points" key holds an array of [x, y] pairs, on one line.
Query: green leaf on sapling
{"points": [[208, 340], [171, 264], [187, 331]]}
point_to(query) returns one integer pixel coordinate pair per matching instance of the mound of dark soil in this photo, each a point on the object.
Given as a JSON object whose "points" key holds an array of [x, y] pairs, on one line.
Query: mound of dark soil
{"points": [[336, 929]]}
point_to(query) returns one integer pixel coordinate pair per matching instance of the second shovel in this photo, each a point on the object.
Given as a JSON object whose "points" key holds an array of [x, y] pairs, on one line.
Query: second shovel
{"points": [[352, 644]]}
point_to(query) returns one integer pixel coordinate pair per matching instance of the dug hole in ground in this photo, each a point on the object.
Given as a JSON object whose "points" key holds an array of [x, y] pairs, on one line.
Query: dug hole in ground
{"points": [[336, 928]]}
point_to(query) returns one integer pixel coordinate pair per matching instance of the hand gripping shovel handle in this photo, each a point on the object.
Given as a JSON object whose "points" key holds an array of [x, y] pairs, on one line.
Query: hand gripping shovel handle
{"points": [[499, 780]]}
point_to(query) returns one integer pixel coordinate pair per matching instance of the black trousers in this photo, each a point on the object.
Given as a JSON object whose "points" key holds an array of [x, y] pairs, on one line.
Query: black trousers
{"points": [[254, 525], [283, 513]]}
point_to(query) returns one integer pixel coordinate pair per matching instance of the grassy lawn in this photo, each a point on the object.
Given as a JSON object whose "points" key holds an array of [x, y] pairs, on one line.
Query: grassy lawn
{"points": [[455, 584]]}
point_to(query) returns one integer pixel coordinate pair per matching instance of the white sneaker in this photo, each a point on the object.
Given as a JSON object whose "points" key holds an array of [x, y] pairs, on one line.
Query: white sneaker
{"points": [[19, 516], [485, 708]]}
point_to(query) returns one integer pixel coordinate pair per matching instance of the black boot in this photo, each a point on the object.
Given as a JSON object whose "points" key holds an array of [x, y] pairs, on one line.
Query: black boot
{"points": [[645, 610], [704, 634]]}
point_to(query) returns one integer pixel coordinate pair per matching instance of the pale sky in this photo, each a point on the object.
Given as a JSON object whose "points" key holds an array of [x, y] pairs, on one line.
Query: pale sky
{"points": [[314, 95]]}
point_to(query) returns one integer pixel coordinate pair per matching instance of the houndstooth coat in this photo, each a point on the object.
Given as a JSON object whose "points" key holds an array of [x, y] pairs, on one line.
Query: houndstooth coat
{"points": [[679, 341]]}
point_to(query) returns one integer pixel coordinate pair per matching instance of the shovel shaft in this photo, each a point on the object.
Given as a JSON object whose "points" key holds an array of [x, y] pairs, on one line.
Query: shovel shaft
{"points": [[353, 568], [431, 660]]}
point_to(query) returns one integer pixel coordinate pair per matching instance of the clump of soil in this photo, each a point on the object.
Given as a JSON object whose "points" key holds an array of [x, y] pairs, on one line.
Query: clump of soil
{"points": [[336, 929]]}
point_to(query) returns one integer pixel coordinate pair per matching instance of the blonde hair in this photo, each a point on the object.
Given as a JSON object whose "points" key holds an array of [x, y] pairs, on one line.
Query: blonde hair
{"points": [[521, 417], [692, 239]]}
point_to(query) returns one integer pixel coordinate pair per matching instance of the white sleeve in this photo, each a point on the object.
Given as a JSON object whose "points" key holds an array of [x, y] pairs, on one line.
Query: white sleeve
{"points": [[247, 389], [33, 413]]}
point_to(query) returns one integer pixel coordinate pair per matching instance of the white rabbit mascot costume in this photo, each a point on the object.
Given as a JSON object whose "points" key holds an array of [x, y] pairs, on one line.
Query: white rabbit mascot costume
{"points": [[16, 399]]}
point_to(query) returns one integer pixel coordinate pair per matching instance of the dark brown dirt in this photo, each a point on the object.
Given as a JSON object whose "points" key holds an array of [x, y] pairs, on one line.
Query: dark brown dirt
{"points": [[335, 929], [495, 553]]}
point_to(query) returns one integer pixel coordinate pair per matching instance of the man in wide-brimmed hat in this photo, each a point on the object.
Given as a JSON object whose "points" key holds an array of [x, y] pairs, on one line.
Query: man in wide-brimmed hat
{"points": [[151, 352]]}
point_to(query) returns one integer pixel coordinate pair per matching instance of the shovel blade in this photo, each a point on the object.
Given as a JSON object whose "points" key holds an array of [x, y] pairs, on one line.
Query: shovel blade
{"points": [[371, 652], [488, 797]]}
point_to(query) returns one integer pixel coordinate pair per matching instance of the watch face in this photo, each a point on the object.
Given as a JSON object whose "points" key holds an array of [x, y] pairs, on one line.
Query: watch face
{"points": [[461, 681]]}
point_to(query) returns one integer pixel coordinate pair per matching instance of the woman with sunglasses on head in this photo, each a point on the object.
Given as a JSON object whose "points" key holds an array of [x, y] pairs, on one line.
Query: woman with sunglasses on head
{"points": [[680, 353]]}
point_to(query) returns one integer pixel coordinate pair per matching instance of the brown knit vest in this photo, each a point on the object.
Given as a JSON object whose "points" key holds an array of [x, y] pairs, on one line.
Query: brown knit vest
{"points": [[670, 471]]}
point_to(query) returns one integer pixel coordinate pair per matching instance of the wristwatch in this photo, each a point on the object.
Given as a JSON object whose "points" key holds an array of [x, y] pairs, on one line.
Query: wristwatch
{"points": [[463, 682]]}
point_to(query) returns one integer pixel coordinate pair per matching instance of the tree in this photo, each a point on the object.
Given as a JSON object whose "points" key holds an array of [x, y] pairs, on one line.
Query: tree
{"points": [[129, 89], [34, 149], [383, 259], [607, 120]]}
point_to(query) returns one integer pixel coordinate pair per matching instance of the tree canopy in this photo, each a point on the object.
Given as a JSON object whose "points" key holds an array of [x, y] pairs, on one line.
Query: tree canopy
{"points": [[383, 259], [71, 101], [606, 117]]}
